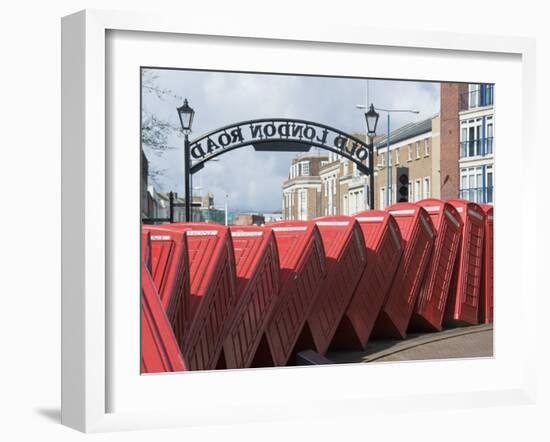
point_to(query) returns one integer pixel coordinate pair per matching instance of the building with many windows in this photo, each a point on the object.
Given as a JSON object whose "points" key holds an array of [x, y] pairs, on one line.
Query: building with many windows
{"points": [[320, 185], [302, 189], [415, 150], [467, 141], [477, 144]]}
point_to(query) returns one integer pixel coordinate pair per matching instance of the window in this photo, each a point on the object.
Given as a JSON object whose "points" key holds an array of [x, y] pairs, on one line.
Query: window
{"points": [[397, 156], [305, 168], [471, 138], [410, 155], [489, 194], [474, 95], [417, 149], [382, 158], [329, 194], [489, 148], [463, 140], [289, 195], [476, 184], [417, 191], [427, 190], [302, 204], [346, 167], [346, 208], [427, 147]]}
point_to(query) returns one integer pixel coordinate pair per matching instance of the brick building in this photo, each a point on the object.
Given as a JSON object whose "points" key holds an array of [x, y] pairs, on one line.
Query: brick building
{"points": [[451, 104], [248, 219]]}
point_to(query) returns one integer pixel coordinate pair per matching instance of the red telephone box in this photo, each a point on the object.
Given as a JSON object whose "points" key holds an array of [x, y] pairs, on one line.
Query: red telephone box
{"points": [[418, 236], [169, 266], [345, 258], [257, 287], [463, 301], [302, 268], [213, 294], [486, 295], [384, 246], [160, 351], [432, 298]]}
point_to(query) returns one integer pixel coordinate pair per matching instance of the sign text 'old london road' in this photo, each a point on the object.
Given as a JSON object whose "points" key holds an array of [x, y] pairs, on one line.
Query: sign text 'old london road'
{"points": [[283, 132]]}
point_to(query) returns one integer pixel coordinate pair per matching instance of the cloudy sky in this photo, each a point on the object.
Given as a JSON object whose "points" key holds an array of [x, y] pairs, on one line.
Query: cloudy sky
{"points": [[252, 180]]}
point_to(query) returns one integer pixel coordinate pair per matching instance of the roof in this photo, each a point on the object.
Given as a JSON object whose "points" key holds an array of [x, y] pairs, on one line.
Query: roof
{"points": [[410, 130]]}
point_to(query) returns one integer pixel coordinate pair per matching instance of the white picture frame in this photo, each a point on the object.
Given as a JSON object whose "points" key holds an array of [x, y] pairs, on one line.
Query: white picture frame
{"points": [[86, 234]]}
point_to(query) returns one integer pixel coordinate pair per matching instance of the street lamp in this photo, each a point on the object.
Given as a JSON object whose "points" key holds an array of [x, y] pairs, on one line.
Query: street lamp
{"points": [[186, 114], [371, 117], [372, 121]]}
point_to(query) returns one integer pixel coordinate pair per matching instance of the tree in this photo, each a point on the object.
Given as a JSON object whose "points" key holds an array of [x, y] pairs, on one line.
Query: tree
{"points": [[156, 132]]}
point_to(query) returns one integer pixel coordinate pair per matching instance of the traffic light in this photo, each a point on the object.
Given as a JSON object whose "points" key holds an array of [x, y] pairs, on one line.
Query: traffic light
{"points": [[402, 184]]}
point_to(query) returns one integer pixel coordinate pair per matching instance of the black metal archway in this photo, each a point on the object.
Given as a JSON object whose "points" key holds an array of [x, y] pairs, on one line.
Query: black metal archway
{"points": [[275, 134]]}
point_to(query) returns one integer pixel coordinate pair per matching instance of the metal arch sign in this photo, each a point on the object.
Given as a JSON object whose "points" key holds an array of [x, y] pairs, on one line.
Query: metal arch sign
{"points": [[280, 134]]}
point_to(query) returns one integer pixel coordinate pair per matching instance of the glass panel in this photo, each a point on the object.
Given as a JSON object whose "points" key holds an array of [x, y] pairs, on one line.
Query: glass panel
{"points": [[490, 138], [471, 141]]}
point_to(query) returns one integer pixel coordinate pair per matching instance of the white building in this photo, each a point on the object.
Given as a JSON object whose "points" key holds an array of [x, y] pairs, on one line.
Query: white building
{"points": [[477, 144]]}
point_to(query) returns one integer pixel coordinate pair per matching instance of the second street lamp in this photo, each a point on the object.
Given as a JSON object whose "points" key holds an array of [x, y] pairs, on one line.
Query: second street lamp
{"points": [[186, 114], [372, 121], [371, 117]]}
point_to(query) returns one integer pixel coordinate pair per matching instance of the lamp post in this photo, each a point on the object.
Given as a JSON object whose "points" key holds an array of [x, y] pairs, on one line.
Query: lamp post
{"points": [[186, 114], [388, 136], [371, 118]]}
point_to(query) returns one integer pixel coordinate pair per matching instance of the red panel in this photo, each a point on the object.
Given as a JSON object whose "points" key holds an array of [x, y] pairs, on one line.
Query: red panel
{"points": [[430, 305], [257, 264], [302, 268], [418, 236], [463, 302], [486, 295], [160, 352], [170, 270], [345, 258], [384, 247], [146, 249], [213, 292]]}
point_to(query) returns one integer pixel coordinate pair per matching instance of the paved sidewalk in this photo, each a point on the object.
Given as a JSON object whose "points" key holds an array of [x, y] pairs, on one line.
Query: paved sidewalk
{"points": [[461, 342]]}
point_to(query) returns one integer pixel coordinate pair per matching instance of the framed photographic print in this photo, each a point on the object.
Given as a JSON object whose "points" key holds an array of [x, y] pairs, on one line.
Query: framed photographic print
{"points": [[276, 223]]}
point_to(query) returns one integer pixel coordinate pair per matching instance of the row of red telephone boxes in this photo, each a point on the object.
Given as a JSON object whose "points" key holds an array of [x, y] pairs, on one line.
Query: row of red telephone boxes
{"points": [[251, 296]]}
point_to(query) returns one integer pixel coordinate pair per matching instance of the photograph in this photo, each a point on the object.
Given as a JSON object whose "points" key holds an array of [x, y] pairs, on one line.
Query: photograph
{"points": [[300, 220]]}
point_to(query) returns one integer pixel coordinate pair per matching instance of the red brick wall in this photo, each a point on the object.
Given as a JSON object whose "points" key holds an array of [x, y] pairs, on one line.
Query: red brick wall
{"points": [[451, 104]]}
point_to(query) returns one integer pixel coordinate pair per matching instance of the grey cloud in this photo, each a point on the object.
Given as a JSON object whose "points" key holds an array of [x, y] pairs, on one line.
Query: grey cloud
{"points": [[253, 180]]}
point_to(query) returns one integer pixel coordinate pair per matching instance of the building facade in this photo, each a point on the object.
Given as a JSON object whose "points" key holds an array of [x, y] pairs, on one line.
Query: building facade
{"points": [[451, 104], [324, 185], [477, 144], [415, 150], [302, 189], [248, 219], [467, 142]]}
